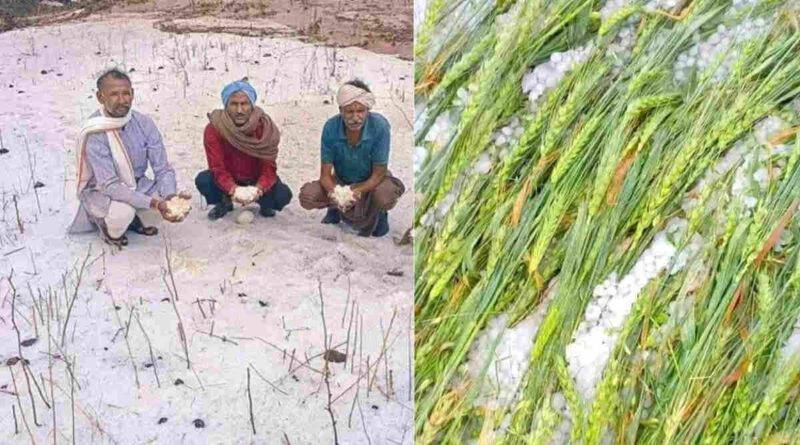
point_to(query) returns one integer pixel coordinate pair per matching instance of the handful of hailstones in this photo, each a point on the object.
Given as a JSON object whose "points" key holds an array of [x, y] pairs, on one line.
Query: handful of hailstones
{"points": [[245, 194], [343, 196], [178, 206]]}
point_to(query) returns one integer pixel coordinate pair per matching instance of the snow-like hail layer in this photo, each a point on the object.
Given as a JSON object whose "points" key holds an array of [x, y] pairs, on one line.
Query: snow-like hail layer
{"points": [[547, 75], [612, 301], [665, 5], [754, 162], [715, 51], [791, 348], [506, 367]]}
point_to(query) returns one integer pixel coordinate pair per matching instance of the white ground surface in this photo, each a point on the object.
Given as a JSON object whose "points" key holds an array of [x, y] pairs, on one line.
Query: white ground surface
{"points": [[263, 277]]}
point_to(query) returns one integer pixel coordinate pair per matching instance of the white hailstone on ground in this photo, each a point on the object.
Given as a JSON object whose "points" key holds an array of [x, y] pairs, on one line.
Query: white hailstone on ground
{"points": [[178, 206], [715, 50], [791, 348], [445, 204], [605, 314], [342, 195], [245, 216], [768, 128], [421, 111], [508, 136], [462, 98], [441, 130], [428, 218], [420, 155], [483, 165], [245, 193], [547, 75], [665, 5], [611, 7], [507, 366]]}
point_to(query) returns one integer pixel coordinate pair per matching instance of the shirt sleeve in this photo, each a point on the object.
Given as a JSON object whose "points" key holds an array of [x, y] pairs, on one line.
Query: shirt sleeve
{"points": [[327, 151], [380, 151], [157, 155], [216, 162], [98, 155], [268, 175]]}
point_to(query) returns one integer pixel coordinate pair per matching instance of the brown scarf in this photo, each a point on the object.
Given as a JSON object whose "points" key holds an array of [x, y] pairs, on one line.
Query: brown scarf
{"points": [[244, 139]]}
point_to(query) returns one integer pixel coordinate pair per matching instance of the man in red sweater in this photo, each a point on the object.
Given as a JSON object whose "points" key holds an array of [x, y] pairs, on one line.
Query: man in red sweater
{"points": [[241, 145]]}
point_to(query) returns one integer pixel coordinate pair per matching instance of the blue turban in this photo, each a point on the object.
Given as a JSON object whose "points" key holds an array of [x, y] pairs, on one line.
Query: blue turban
{"points": [[235, 87]]}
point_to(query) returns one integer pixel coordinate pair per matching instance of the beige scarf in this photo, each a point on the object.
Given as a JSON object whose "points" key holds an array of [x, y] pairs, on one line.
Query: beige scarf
{"points": [[111, 126], [244, 139]]}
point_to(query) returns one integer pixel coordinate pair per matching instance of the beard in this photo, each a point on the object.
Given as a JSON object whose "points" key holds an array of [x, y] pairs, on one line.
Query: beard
{"points": [[119, 111]]}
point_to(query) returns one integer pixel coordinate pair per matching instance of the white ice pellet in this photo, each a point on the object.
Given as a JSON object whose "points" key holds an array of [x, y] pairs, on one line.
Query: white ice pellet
{"points": [[507, 367], [245, 193], [420, 155], [483, 165], [706, 53], [548, 74], [343, 195], [590, 350]]}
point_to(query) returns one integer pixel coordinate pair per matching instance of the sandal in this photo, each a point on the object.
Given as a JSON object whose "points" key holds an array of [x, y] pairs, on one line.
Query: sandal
{"points": [[118, 242], [137, 227]]}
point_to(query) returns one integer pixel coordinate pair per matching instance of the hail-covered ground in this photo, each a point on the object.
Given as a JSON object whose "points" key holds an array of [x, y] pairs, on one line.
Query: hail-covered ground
{"points": [[213, 332]]}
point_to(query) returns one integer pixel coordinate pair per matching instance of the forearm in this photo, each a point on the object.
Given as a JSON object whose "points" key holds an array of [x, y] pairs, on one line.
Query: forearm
{"points": [[166, 183], [373, 181], [122, 193], [328, 182]]}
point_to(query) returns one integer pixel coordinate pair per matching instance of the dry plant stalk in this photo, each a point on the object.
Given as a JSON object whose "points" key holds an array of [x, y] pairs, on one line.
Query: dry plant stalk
{"points": [[250, 401], [150, 348], [326, 369], [173, 292], [127, 343]]}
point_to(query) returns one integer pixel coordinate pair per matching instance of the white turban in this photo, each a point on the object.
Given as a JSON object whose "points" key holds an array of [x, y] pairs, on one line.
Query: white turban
{"points": [[350, 93]]}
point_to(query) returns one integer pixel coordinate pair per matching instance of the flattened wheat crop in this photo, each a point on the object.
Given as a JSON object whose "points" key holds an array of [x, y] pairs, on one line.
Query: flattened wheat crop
{"points": [[606, 239]]}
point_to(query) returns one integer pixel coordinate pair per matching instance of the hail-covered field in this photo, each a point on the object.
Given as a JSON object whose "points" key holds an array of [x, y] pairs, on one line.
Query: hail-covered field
{"points": [[606, 241], [212, 332]]}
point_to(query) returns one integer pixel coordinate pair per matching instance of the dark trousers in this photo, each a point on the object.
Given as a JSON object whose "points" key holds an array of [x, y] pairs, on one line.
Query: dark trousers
{"points": [[275, 198]]}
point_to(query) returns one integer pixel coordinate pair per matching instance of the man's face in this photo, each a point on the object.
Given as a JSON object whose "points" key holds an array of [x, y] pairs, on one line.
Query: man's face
{"points": [[354, 115], [239, 108], [116, 96]]}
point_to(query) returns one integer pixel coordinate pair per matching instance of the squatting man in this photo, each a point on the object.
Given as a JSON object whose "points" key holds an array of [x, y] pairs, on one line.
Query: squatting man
{"points": [[117, 145]]}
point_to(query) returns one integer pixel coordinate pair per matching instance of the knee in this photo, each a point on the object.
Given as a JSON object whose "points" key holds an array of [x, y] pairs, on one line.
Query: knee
{"points": [[310, 194], [204, 181], [387, 193], [118, 218], [283, 195]]}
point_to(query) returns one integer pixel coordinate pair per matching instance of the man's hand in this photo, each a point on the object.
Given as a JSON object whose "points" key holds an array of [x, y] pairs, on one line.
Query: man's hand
{"points": [[161, 207], [235, 199], [259, 194], [357, 193]]}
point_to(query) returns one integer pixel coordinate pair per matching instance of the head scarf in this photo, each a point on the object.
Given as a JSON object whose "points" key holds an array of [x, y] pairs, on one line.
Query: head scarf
{"points": [[235, 87], [245, 138], [350, 93]]}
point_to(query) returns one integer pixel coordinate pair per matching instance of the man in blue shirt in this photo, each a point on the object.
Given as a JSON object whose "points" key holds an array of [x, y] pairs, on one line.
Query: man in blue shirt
{"points": [[355, 154]]}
